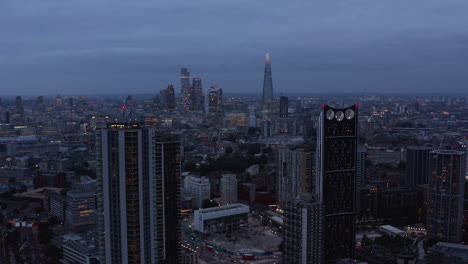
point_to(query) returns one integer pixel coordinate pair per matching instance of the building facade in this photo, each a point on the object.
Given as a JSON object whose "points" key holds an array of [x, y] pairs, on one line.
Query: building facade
{"points": [[284, 107], [418, 160], [184, 86], [294, 174], [221, 219], [228, 188], [303, 233], [335, 182], [446, 195], [199, 188], [138, 195], [361, 171]]}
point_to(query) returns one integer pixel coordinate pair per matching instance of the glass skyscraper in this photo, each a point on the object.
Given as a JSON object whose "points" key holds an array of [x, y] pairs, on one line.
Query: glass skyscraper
{"points": [[267, 82]]}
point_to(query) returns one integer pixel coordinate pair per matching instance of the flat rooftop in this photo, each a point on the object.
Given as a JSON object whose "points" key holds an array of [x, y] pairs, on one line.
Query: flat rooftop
{"points": [[223, 208]]}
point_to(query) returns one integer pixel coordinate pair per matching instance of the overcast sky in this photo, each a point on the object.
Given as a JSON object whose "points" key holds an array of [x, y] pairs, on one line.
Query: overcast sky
{"points": [[138, 46]]}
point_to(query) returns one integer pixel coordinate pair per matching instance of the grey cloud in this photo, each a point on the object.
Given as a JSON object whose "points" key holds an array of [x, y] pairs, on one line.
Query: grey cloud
{"points": [[366, 45]]}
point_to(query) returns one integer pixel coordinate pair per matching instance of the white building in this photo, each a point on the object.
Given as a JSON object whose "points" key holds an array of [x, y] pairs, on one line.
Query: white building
{"points": [[221, 219], [391, 231], [79, 250], [197, 188], [229, 189]]}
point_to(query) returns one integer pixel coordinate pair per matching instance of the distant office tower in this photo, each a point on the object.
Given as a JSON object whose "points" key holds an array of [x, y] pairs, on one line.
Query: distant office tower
{"points": [[229, 189], [196, 95], [336, 178], [418, 160], [19, 105], [81, 101], [303, 231], [163, 97], [284, 106], [361, 170], [1, 102], [267, 129], [294, 174], [70, 102], [252, 116], [40, 100], [7, 117], [138, 195], [167, 98], [214, 101], [445, 195], [184, 85], [58, 99], [199, 188], [39, 105], [267, 82]]}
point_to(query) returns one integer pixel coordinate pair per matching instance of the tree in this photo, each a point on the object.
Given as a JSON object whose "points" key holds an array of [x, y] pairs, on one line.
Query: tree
{"points": [[228, 150]]}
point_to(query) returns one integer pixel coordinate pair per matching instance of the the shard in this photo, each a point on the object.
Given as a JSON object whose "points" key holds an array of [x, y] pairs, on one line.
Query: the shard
{"points": [[267, 82]]}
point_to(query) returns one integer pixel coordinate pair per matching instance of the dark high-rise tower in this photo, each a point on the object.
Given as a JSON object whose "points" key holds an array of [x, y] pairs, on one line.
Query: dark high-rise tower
{"points": [[445, 195], [169, 97], [196, 95], [336, 179], [267, 82], [138, 195], [214, 101], [417, 165], [284, 106], [19, 105], [184, 85]]}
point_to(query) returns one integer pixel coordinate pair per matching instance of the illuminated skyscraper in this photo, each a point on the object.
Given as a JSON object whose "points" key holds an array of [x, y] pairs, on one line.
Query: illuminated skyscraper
{"points": [[284, 107], [445, 195], [252, 116], [197, 99], [267, 82], [184, 85], [138, 195], [214, 101], [167, 98], [336, 179]]}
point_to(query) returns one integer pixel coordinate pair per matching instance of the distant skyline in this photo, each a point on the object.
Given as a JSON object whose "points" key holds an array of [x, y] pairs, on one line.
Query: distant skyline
{"points": [[138, 47]]}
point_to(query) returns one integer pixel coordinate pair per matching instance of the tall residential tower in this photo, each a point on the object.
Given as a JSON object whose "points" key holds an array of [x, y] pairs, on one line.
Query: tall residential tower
{"points": [[138, 195], [445, 195]]}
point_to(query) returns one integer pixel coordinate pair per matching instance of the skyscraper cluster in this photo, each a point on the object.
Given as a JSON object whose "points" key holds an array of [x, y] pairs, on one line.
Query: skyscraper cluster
{"points": [[193, 98]]}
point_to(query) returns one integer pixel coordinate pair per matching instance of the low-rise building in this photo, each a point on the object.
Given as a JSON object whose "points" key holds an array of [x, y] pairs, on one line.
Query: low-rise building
{"points": [[199, 188], [221, 219], [443, 252], [79, 250]]}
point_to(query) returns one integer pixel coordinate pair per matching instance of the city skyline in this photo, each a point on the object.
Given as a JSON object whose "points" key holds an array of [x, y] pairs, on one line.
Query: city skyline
{"points": [[337, 47]]}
